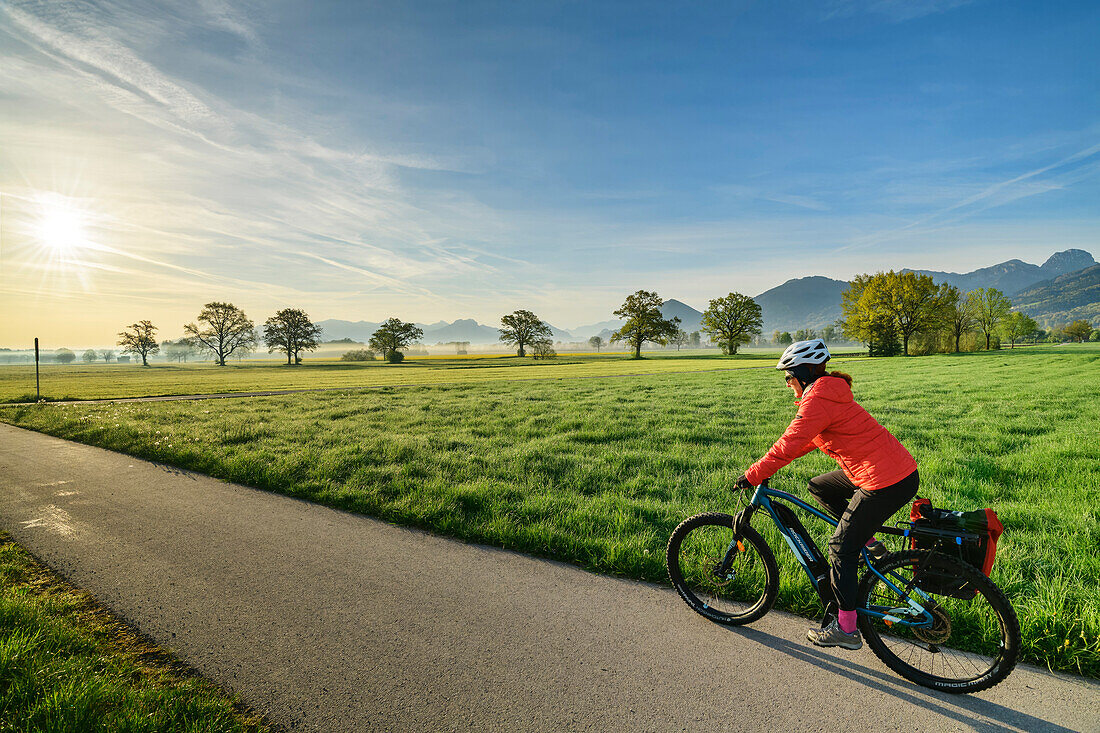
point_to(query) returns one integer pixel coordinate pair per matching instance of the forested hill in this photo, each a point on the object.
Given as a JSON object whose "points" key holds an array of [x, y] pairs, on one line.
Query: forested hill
{"points": [[1063, 299], [806, 302], [1049, 292]]}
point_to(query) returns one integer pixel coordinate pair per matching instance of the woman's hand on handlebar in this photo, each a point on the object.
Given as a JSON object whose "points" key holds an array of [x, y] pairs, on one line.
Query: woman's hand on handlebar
{"points": [[742, 483]]}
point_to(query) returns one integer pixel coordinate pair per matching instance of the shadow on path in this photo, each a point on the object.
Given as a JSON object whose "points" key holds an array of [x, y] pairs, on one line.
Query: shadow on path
{"points": [[966, 709]]}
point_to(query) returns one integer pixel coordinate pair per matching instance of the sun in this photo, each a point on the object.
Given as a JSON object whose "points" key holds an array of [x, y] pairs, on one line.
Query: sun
{"points": [[60, 227]]}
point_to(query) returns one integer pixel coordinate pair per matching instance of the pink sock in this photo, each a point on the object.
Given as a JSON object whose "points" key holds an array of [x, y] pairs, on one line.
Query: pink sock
{"points": [[871, 541], [847, 621]]}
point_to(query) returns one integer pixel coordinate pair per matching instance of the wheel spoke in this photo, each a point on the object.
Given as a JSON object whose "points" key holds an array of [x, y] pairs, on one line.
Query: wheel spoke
{"points": [[963, 648]]}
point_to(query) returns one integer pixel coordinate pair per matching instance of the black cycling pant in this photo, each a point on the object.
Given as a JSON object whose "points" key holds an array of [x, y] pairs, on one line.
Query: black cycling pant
{"points": [[860, 513]]}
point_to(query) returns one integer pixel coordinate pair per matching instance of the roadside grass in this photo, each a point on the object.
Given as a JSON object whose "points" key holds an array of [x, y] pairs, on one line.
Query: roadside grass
{"points": [[101, 381], [67, 665], [598, 472]]}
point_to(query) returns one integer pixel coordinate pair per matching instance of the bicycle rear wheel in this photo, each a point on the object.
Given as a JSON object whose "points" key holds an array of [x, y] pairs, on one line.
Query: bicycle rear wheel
{"points": [[739, 594], [973, 643]]}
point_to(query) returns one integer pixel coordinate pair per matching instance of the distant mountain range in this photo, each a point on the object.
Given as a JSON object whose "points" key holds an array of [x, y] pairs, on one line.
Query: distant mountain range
{"points": [[463, 329], [1064, 288], [1044, 292], [1063, 299], [1014, 275]]}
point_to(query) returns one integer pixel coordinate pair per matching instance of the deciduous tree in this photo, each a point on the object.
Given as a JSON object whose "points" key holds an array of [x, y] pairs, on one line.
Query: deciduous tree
{"points": [[358, 355], [89, 356], [393, 336], [523, 328], [732, 321], [828, 334], [644, 321], [989, 306], [1078, 330], [178, 350], [140, 338], [1017, 326], [805, 334], [225, 329], [107, 355], [960, 316], [679, 339], [882, 336], [856, 320], [291, 332], [596, 342], [864, 323], [543, 349], [915, 302], [64, 356]]}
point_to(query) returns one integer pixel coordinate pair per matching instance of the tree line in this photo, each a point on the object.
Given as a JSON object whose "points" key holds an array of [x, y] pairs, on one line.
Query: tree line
{"points": [[889, 311], [223, 329], [730, 322], [885, 311]]}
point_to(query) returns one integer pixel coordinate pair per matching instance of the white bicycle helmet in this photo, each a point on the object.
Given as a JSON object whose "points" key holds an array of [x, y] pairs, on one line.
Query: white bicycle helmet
{"points": [[813, 351]]}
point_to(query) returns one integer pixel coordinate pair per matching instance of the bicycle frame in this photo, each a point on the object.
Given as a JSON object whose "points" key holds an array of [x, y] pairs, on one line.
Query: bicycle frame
{"points": [[913, 615]]}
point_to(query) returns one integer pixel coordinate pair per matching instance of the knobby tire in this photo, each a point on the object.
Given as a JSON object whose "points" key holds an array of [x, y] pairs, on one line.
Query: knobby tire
{"points": [[690, 558], [986, 629]]}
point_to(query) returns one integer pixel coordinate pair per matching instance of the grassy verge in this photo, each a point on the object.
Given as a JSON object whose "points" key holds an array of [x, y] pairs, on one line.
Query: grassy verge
{"points": [[67, 665], [599, 471]]}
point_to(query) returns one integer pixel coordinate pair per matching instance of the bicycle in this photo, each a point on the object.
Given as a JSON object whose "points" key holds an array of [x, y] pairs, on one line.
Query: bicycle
{"points": [[911, 603]]}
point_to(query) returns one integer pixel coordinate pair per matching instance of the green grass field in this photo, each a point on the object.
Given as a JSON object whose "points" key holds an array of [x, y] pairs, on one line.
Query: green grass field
{"points": [[68, 667], [98, 381], [599, 471]]}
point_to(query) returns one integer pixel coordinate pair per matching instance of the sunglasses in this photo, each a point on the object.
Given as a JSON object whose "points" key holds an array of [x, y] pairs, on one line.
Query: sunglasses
{"points": [[789, 378]]}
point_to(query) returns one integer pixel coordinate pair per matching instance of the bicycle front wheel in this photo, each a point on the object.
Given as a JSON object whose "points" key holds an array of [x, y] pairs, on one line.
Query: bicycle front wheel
{"points": [[727, 582], [975, 638]]}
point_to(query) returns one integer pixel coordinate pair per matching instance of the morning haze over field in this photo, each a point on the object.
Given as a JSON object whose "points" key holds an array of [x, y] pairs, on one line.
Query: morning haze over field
{"points": [[408, 365], [445, 161]]}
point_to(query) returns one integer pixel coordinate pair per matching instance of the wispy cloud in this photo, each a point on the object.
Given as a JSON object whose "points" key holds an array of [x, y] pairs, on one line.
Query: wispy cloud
{"points": [[895, 11], [1057, 175], [372, 277], [797, 200], [209, 181], [232, 19]]}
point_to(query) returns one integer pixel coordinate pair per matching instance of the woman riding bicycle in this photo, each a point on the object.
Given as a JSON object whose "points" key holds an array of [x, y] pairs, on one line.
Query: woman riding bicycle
{"points": [[878, 476]]}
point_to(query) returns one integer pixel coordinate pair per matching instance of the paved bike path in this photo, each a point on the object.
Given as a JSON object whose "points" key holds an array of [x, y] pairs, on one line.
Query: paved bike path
{"points": [[327, 621]]}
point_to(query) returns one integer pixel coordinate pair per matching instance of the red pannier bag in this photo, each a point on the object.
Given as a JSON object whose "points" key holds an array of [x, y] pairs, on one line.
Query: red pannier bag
{"points": [[979, 552]]}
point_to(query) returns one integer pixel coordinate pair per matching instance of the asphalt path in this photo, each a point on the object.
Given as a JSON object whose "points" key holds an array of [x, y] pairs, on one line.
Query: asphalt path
{"points": [[328, 621]]}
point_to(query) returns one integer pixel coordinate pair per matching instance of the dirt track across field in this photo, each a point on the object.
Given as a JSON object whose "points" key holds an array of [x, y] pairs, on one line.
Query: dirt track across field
{"points": [[327, 621]]}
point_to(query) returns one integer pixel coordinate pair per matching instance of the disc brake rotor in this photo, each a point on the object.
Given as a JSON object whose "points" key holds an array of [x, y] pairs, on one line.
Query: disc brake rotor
{"points": [[938, 632]]}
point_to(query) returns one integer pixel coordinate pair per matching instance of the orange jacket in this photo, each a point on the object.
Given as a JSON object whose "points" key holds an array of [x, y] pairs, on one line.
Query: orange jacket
{"points": [[830, 419]]}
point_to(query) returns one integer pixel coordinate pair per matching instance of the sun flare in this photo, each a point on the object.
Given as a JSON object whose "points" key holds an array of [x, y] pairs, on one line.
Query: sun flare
{"points": [[61, 227]]}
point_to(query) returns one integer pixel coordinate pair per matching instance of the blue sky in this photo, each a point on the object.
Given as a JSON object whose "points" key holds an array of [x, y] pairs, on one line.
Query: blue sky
{"points": [[444, 160]]}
